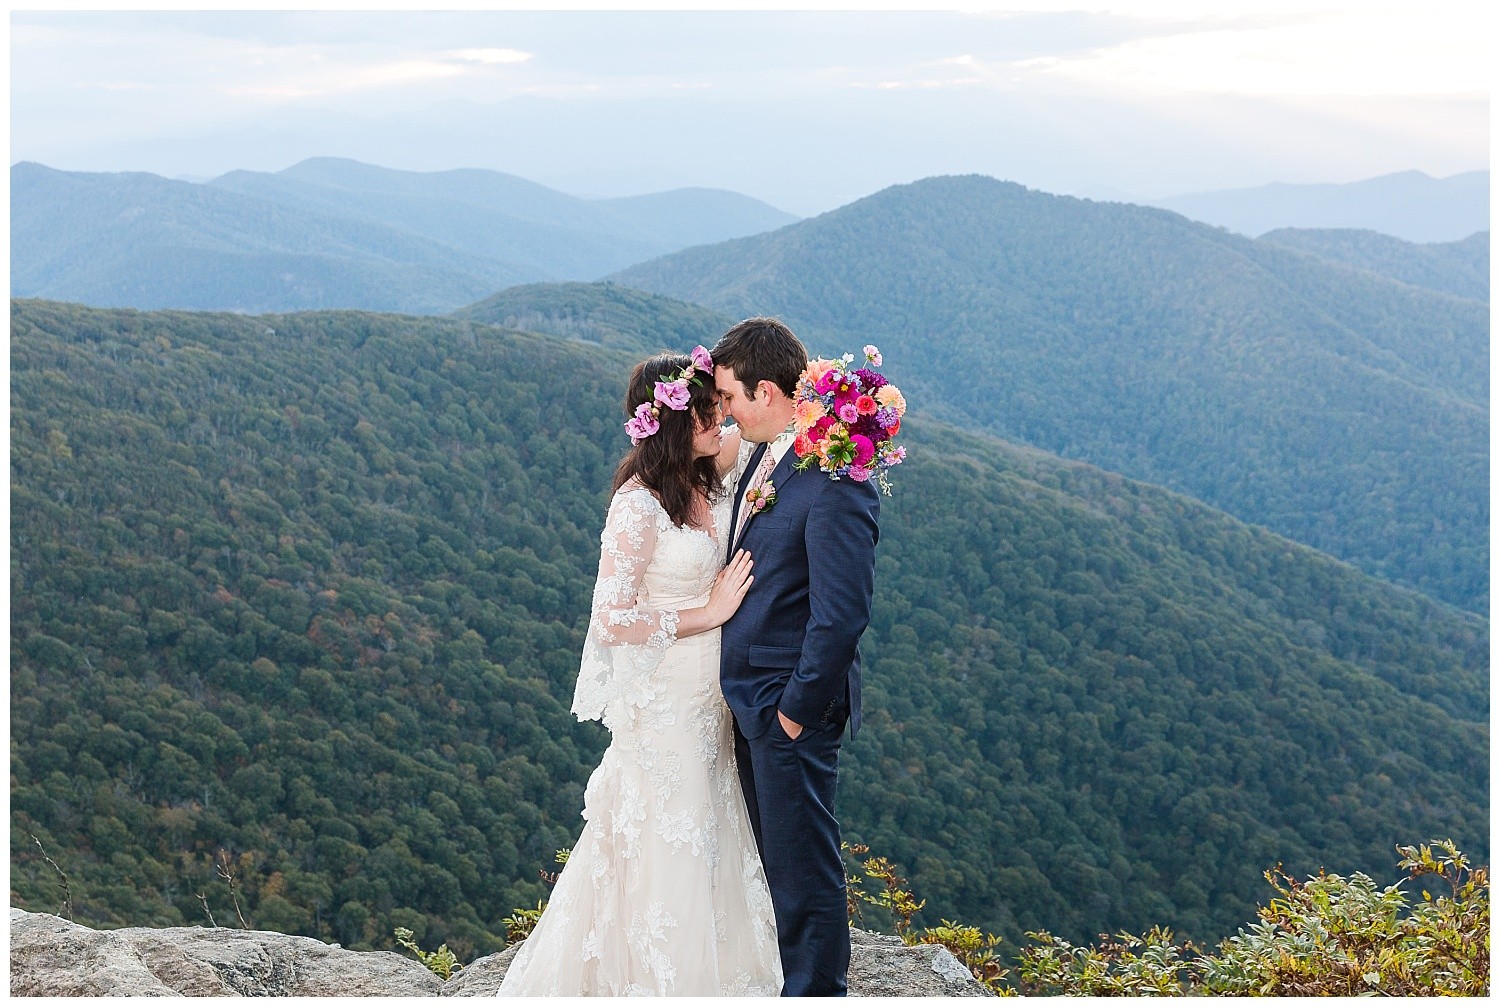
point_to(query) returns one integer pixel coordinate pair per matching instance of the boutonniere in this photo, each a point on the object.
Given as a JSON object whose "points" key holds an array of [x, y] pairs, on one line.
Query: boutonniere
{"points": [[761, 499]]}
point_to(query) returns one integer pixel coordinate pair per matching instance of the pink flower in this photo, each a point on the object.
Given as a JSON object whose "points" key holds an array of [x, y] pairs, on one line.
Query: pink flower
{"points": [[849, 412], [803, 445], [702, 360], [816, 369], [827, 382], [859, 473], [896, 456], [820, 429], [865, 405], [864, 450], [873, 355], [673, 395], [643, 424]]}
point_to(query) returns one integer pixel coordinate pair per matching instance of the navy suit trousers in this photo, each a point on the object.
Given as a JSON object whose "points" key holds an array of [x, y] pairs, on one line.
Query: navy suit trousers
{"points": [[789, 790]]}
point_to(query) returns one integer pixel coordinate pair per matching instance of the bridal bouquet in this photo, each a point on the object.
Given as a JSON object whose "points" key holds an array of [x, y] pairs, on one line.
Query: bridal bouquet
{"points": [[847, 417]]}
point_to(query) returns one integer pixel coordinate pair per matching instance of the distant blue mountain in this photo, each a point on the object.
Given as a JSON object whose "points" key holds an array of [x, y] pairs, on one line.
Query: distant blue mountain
{"points": [[1408, 204], [139, 240], [1461, 268], [330, 232]]}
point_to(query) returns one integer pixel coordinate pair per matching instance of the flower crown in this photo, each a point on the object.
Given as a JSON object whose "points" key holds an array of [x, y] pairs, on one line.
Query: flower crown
{"points": [[673, 394]]}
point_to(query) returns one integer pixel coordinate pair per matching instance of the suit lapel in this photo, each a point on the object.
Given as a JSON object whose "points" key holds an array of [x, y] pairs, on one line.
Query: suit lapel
{"points": [[784, 470], [739, 494]]}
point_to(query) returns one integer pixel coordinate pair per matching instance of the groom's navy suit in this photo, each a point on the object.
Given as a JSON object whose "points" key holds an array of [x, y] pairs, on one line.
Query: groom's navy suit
{"points": [[794, 646]]}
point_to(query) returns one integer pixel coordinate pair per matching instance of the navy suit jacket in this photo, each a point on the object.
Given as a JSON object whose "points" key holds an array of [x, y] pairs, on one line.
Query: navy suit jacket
{"points": [[794, 643]]}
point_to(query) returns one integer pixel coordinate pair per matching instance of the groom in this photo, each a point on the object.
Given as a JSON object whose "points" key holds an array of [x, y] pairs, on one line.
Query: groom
{"points": [[790, 664]]}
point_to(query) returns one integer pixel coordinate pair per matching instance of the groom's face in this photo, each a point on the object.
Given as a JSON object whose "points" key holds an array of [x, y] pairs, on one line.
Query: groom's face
{"points": [[751, 415]]}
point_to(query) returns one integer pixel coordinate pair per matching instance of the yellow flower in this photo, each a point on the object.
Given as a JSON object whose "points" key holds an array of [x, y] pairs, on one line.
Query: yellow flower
{"points": [[891, 396]]}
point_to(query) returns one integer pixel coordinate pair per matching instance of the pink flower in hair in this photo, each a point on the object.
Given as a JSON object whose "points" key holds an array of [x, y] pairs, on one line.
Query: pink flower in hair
{"points": [[702, 360], [673, 395], [643, 424]]}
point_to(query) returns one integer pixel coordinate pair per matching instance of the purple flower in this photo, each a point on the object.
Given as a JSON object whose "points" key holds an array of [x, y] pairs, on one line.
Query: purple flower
{"points": [[870, 381], [672, 394], [849, 412], [702, 360], [869, 427], [859, 473], [886, 417], [643, 424]]}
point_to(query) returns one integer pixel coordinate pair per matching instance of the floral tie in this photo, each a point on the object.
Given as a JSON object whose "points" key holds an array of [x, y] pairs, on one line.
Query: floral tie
{"points": [[763, 473]]}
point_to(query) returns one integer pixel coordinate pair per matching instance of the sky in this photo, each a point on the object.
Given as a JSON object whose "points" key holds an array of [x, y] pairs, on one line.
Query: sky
{"points": [[1134, 100]]}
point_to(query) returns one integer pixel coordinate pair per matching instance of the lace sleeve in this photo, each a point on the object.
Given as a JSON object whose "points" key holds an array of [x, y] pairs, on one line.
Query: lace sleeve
{"points": [[618, 617], [627, 637]]}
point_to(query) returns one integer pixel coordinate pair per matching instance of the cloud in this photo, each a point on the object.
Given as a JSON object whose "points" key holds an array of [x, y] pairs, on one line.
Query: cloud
{"points": [[349, 78], [1367, 52], [490, 56]]}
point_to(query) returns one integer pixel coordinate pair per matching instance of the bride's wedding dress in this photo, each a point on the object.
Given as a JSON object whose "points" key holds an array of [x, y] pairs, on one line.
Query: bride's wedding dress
{"points": [[664, 893]]}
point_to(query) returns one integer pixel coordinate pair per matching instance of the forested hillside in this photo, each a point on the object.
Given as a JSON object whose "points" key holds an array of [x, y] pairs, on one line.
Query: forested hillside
{"points": [[1339, 408], [609, 314], [310, 589], [1460, 268]]}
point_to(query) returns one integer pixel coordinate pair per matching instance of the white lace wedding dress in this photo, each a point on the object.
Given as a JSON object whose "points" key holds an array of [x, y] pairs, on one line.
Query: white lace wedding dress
{"points": [[664, 893]]}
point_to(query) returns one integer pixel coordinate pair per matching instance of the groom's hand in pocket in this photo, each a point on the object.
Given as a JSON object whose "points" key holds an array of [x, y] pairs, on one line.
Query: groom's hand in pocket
{"points": [[791, 727]]}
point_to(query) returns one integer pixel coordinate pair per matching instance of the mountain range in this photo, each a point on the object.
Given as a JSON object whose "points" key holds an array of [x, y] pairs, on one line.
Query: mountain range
{"points": [[336, 233], [1336, 406], [1407, 204], [309, 589], [1460, 268]]}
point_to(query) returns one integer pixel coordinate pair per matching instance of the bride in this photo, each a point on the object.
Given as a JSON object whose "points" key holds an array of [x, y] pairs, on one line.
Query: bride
{"points": [[664, 892]]}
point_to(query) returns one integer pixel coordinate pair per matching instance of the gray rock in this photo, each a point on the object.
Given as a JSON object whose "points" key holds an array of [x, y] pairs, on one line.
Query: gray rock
{"points": [[879, 966], [51, 957], [481, 977], [882, 966]]}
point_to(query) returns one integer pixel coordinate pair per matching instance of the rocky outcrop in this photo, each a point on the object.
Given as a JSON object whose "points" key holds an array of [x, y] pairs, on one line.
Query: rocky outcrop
{"points": [[51, 957], [882, 966]]}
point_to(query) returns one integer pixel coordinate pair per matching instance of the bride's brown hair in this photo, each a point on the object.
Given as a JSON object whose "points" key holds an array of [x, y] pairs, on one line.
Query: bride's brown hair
{"points": [[664, 462]]}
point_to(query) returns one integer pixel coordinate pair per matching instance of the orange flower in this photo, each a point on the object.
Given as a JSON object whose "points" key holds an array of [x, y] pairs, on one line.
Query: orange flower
{"points": [[807, 412], [891, 396], [817, 368]]}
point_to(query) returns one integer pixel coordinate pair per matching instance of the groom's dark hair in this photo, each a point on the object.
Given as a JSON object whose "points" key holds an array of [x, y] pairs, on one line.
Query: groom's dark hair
{"points": [[762, 349]]}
